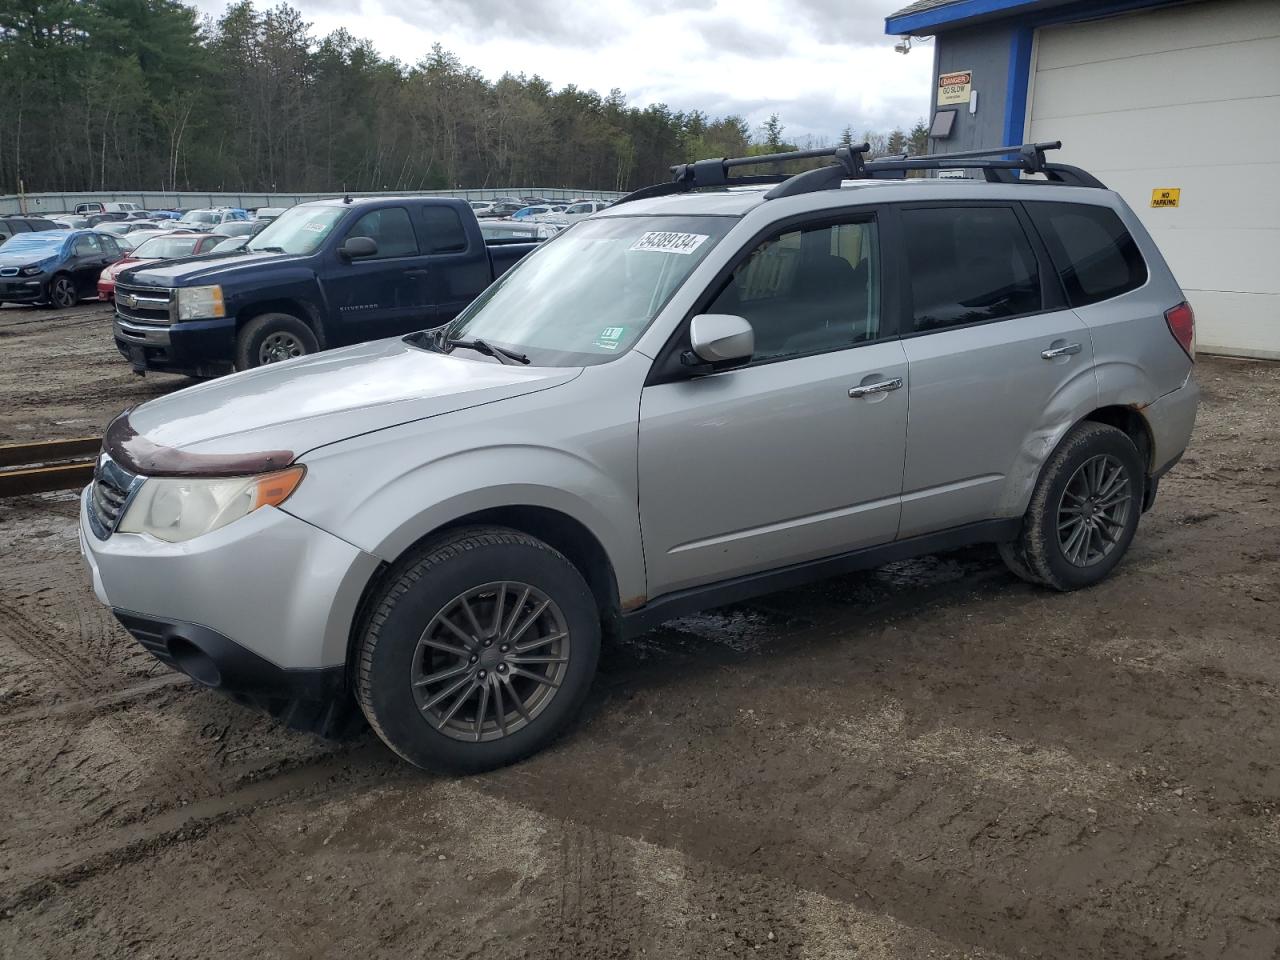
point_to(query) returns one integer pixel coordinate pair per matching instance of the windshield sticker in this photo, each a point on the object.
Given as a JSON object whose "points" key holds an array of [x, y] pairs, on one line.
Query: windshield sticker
{"points": [[664, 242], [609, 338], [316, 226]]}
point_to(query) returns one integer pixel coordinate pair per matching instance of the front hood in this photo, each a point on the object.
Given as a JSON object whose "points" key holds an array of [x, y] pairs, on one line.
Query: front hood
{"points": [[25, 258], [301, 404], [209, 268]]}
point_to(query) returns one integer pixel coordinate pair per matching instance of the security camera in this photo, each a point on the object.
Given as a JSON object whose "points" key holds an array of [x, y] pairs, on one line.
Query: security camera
{"points": [[903, 45]]}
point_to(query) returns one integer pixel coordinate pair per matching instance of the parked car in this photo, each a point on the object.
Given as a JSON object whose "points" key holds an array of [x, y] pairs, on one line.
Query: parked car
{"points": [[92, 207], [321, 275], [166, 246], [164, 215], [482, 208], [440, 527], [268, 213], [529, 213], [229, 244], [58, 267], [69, 221], [111, 216], [517, 230], [240, 228], [119, 228], [505, 208], [210, 218], [581, 210], [12, 226]]}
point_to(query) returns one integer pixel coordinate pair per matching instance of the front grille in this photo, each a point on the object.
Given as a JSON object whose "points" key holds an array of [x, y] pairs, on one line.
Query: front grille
{"points": [[143, 304], [112, 489], [8, 271]]}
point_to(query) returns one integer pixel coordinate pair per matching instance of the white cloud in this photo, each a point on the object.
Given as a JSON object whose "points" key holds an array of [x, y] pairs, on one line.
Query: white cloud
{"points": [[819, 64]]}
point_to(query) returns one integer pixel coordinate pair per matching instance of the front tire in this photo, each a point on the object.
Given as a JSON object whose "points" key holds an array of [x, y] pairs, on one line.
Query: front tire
{"points": [[478, 652], [1084, 511], [272, 337], [62, 293]]}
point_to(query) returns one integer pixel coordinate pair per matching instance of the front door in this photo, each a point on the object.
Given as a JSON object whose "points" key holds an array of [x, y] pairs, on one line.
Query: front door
{"points": [[88, 260], [797, 455], [997, 362], [388, 293]]}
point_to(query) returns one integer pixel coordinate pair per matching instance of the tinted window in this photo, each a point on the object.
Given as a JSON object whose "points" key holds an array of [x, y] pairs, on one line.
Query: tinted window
{"points": [[968, 264], [390, 229], [1094, 254], [109, 246], [18, 226], [808, 291], [444, 231], [88, 246]]}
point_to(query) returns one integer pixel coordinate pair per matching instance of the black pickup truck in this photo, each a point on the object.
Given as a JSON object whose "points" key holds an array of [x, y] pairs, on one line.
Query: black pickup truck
{"points": [[321, 275]]}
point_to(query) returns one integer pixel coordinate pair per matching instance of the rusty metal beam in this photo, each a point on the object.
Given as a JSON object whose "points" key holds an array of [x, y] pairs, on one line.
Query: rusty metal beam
{"points": [[63, 476], [46, 451]]}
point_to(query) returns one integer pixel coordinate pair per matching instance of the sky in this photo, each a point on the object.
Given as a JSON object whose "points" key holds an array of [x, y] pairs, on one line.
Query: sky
{"points": [[819, 64]]}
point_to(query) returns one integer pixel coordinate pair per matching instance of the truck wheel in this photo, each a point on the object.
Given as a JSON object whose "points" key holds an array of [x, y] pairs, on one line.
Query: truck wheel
{"points": [[478, 652], [1084, 511], [62, 292], [273, 337]]}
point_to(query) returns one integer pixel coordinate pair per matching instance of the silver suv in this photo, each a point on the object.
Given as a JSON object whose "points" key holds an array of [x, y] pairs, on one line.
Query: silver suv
{"points": [[691, 398]]}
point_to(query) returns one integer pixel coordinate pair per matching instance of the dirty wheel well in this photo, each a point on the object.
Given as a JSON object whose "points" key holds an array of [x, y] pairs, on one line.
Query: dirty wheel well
{"points": [[292, 307], [1132, 423]]}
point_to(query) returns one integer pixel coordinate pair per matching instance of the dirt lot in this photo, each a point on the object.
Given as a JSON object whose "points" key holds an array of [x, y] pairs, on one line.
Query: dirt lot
{"points": [[928, 760]]}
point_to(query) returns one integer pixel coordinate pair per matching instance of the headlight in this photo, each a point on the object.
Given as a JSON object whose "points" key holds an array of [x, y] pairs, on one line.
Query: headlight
{"points": [[200, 303], [179, 509], [32, 270]]}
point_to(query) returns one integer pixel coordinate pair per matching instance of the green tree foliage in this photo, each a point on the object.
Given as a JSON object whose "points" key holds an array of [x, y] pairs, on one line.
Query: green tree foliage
{"points": [[129, 94]]}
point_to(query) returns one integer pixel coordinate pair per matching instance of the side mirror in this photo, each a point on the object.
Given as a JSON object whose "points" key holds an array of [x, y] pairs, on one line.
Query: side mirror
{"points": [[721, 339], [356, 248]]}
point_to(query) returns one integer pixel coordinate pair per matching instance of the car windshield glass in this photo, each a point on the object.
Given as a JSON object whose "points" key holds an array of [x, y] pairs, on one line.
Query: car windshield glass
{"points": [[298, 230], [200, 216], [586, 296], [166, 248], [46, 242]]}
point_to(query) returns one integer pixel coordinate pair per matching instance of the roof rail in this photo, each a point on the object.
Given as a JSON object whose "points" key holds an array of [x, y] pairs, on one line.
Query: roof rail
{"points": [[998, 165]]}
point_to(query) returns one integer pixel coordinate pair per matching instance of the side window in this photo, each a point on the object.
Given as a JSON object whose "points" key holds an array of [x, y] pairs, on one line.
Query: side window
{"points": [[808, 291], [1094, 254], [88, 246], [390, 229], [967, 265], [19, 226], [444, 233], [109, 246]]}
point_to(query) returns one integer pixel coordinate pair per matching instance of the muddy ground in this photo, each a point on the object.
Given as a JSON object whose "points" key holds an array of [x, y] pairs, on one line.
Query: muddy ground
{"points": [[932, 759]]}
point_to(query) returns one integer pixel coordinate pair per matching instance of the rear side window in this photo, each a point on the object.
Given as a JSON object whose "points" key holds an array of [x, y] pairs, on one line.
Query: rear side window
{"points": [[390, 229], [1095, 256], [969, 265], [444, 233]]}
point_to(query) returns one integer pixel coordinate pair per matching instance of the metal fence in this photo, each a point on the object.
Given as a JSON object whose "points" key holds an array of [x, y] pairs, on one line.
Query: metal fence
{"points": [[38, 203]]}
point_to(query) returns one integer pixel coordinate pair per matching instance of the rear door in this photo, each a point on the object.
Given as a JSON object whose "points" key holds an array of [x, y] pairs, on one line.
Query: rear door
{"points": [[382, 295], [457, 268], [997, 360], [799, 454]]}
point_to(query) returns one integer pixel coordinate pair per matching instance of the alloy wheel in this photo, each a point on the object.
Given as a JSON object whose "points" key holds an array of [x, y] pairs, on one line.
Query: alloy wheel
{"points": [[62, 293], [490, 661], [1094, 510], [280, 346]]}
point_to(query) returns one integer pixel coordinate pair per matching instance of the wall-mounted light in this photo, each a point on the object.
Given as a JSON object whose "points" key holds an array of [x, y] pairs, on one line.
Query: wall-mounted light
{"points": [[903, 45]]}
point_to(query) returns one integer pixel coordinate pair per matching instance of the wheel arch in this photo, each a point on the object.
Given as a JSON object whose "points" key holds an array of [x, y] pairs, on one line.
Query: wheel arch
{"points": [[294, 307]]}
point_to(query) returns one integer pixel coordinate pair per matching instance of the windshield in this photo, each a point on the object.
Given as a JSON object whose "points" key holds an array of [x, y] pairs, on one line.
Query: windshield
{"points": [[166, 248], [586, 296], [44, 243], [200, 216], [298, 230]]}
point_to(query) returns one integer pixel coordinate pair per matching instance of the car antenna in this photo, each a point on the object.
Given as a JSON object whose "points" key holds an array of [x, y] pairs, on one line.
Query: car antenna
{"points": [[346, 197]]}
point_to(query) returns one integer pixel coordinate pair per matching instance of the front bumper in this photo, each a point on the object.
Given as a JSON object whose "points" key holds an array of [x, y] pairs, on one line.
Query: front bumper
{"points": [[261, 609], [199, 348], [22, 290]]}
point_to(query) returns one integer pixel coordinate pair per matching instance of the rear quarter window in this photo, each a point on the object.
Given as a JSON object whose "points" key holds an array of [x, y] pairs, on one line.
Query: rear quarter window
{"points": [[1093, 253], [443, 228]]}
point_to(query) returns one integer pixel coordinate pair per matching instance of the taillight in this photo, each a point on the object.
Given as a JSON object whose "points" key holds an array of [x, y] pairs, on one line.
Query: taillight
{"points": [[1182, 324]]}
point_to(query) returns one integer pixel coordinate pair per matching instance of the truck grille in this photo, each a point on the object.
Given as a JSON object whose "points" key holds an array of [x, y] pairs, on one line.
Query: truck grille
{"points": [[143, 304], [109, 495]]}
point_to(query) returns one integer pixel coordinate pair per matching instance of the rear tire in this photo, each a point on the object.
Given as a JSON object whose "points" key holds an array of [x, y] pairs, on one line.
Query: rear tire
{"points": [[272, 337], [479, 651], [1084, 511]]}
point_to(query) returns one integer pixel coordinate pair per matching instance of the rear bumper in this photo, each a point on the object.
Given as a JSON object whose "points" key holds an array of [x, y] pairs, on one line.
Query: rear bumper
{"points": [[196, 348], [1172, 419]]}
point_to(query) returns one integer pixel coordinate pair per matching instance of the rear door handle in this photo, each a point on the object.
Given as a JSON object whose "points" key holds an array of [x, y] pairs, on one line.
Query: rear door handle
{"points": [[1066, 350], [882, 386]]}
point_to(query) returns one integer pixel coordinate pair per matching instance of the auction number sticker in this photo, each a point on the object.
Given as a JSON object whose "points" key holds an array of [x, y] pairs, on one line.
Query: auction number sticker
{"points": [[664, 242], [316, 226], [609, 338]]}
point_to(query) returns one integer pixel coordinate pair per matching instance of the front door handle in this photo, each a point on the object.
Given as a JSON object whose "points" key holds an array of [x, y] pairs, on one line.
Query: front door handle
{"points": [[1066, 350], [417, 272], [882, 386]]}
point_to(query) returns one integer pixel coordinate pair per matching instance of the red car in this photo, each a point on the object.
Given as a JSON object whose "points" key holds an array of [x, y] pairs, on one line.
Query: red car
{"points": [[170, 246]]}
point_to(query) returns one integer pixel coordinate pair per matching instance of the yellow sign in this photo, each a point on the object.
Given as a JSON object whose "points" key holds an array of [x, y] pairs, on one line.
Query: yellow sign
{"points": [[954, 87], [1165, 196]]}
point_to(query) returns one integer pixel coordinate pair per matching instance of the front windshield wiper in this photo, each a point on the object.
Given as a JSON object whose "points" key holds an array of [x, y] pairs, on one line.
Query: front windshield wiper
{"points": [[266, 249], [501, 354]]}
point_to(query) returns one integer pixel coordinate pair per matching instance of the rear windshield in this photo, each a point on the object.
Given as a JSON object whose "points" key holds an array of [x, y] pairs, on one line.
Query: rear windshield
{"points": [[200, 216], [586, 296], [166, 248], [1093, 253]]}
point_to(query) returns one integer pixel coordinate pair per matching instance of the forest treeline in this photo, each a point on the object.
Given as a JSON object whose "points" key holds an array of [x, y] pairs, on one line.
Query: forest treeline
{"points": [[146, 94]]}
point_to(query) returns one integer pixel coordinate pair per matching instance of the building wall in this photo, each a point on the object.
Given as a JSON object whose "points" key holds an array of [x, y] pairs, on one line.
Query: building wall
{"points": [[985, 50]]}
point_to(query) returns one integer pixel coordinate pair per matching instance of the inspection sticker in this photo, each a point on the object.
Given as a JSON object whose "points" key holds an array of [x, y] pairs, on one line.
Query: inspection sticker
{"points": [[609, 337], [664, 242]]}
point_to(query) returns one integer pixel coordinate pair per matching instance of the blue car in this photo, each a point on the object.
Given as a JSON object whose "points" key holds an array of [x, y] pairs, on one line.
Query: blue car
{"points": [[57, 267]]}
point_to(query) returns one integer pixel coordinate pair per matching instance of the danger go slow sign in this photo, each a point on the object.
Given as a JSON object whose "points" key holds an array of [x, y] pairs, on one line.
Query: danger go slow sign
{"points": [[954, 87]]}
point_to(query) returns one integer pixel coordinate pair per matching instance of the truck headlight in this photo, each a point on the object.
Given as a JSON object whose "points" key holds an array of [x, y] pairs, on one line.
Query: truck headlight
{"points": [[179, 509], [200, 303]]}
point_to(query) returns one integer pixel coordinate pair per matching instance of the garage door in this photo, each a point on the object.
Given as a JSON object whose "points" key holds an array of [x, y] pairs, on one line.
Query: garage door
{"points": [[1185, 97]]}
